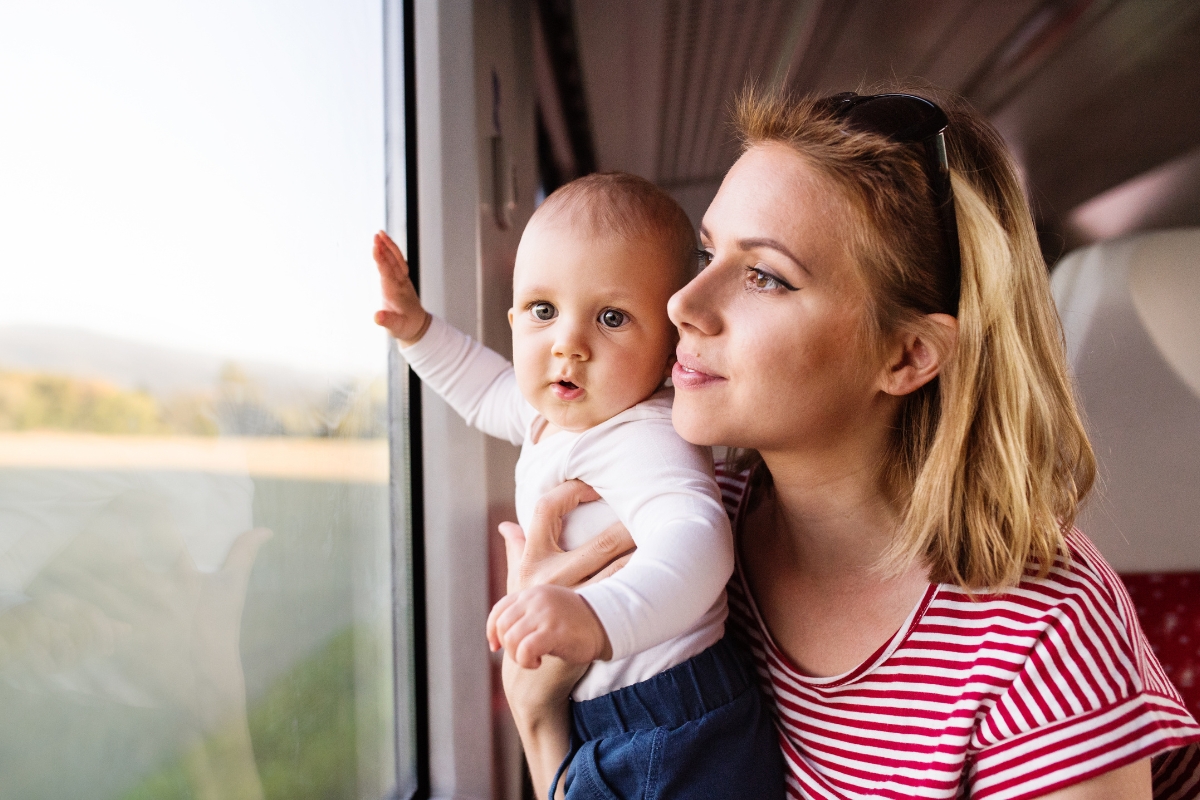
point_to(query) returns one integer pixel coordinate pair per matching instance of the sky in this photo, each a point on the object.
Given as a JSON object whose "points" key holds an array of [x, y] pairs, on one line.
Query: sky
{"points": [[200, 174]]}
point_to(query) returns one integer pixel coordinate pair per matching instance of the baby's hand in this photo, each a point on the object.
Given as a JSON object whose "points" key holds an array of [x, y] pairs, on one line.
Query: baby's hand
{"points": [[547, 621], [402, 312]]}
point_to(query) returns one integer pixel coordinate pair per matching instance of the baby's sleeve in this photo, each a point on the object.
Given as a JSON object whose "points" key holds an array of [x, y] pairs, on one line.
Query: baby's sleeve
{"points": [[663, 490], [475, 381]]}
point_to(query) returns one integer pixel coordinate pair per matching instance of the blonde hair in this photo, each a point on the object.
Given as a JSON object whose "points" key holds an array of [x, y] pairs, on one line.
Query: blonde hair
{"points": [[988, 462], [628, 206]]}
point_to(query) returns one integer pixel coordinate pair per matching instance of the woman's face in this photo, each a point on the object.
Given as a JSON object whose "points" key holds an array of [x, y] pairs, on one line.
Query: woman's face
{"points": [[771, 351]]}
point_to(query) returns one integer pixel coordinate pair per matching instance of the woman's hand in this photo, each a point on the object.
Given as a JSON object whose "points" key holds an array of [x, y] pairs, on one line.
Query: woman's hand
{"points": [[535, 558], [538, 697]]}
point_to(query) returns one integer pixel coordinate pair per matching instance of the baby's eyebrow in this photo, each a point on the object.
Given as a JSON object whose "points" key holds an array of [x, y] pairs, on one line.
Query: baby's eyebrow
{"points": [[618, 298]]}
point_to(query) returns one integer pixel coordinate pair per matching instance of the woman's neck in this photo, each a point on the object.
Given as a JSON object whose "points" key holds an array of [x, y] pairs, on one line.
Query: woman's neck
{"points": [[811, 552], [831, 515]]}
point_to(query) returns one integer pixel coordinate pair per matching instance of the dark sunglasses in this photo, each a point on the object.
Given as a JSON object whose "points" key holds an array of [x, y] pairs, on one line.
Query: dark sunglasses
{"points": [[908, 119]]}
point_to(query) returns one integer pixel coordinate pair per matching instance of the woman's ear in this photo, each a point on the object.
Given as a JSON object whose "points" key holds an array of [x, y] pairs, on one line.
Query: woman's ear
{"points": [[917, 354], [510, 317]]}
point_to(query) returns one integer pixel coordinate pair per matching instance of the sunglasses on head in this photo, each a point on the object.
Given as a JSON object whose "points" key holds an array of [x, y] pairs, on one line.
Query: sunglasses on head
{"points": [[908, 119]]}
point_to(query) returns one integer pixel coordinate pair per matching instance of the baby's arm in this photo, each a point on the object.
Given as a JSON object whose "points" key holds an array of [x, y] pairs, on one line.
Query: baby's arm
{"points": [[477, 382], [663, 489]]}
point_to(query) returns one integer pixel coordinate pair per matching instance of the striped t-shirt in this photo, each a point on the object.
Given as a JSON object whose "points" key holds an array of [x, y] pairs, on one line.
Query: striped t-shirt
{"points": [[1000, 696]]}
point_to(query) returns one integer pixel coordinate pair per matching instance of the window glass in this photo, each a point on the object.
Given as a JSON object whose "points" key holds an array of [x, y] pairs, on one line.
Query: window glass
{"points": [[196, 564]]}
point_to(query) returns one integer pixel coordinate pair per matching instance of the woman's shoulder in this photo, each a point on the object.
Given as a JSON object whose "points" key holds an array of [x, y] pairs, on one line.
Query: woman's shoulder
{"points": [[1079, 589], [1086, 582], [1080, 676], [1080, 579], [1075, 621]]}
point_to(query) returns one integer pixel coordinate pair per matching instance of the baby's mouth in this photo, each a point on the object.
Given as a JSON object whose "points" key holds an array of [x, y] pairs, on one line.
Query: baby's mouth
{"points": [[566, 390]]}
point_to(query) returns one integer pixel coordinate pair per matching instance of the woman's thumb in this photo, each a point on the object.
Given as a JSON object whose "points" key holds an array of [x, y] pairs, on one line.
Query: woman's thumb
{"points": [[514, 551]]}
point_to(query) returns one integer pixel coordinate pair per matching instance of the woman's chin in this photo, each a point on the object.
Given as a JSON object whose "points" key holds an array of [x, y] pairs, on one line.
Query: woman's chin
{"points": [[697, 426]]}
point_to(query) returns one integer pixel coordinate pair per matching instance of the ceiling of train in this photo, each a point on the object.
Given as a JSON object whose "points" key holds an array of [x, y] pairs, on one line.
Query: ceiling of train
{"points": [[1098, 98]]}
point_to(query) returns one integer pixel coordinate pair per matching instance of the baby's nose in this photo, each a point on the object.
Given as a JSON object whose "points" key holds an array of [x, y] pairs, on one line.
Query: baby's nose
{"points": [[571, 343]]}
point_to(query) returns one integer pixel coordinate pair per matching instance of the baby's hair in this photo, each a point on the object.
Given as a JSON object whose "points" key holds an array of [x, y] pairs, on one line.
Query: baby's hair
{"points": [[628, 206]]}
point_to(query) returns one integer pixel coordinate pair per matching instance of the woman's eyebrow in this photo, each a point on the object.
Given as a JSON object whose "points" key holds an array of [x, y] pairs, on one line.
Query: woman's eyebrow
{"points": [[764, 241]]}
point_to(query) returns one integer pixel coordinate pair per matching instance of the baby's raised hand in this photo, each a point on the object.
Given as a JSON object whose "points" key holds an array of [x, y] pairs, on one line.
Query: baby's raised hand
{"points": [[402, 312], [547, 621]]}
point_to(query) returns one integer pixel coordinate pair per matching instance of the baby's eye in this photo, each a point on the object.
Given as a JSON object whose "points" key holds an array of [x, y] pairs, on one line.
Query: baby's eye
{"points": [[611, 318], [703, 258], [544, 311]]}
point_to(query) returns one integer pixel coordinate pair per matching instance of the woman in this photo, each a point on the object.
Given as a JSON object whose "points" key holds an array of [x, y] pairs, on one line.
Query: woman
{"points": [[876, 336]]}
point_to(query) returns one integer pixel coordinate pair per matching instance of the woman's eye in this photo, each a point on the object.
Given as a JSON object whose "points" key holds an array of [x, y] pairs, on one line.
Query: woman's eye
{"points": [[544, 311], [762, 280], [611, 318], [765, 281], [703, 258]]}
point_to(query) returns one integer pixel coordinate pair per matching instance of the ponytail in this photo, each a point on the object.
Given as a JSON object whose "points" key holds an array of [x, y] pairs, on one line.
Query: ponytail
{"points": [[1008, 461]]}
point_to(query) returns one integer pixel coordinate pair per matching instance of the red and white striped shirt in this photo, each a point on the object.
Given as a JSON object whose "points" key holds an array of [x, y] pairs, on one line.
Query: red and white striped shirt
{"points": [[1001, 696]]}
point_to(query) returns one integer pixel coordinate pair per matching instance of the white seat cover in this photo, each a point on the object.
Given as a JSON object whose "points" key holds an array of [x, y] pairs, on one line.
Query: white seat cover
{"points": [[1131, 311]]}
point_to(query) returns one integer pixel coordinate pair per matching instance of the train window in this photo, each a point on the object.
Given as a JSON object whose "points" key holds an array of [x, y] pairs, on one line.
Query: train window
{"points": [[197, 560]]}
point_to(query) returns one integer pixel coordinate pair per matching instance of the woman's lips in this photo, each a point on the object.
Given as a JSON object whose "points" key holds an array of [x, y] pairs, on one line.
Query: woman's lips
{"points": [[565, 390], [689, 376]]}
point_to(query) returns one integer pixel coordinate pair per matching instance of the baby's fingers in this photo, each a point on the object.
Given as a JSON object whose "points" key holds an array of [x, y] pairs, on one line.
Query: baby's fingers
{"points": [[388, 319], [513, 636], [494, 633], [387, 255], [531, 649]]}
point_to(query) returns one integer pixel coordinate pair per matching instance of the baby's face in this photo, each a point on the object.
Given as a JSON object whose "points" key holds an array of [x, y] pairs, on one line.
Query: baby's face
{"points": [[591, 336]]}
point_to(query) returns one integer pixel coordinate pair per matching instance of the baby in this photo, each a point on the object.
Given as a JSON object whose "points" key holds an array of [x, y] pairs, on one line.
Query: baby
{"points": [[584, 396]]}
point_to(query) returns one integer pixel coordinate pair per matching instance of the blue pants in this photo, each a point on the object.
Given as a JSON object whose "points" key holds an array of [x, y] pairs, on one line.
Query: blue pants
{"points": [[699, 730]]}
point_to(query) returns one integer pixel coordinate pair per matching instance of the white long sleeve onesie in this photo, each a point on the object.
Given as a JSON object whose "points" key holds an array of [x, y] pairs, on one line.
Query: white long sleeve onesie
{"points": [[668, 603]]}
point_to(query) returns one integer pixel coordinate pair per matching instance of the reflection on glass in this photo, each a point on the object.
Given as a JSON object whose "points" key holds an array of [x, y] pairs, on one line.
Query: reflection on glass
{"points": [[196, 576]]}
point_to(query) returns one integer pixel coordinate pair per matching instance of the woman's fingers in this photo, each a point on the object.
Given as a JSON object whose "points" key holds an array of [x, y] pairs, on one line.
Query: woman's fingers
{"points": [[598, 554], [573, 567], [535, 558], [514, 550], [609, 570], [546, 525]]}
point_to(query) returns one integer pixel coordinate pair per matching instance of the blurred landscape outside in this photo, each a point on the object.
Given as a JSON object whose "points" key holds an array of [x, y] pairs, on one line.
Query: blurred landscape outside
{"points": [[196, 567]]}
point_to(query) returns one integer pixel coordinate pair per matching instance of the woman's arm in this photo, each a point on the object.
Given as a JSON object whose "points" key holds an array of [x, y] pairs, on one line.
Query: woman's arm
{"points": [[538, 700], [1131, 782], [538, 697]]}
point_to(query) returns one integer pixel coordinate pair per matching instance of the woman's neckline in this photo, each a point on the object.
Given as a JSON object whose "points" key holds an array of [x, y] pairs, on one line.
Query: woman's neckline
{"points": [[868, 665]]}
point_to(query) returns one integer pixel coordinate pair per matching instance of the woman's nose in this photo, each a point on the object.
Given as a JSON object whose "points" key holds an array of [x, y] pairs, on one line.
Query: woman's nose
{"points": [[694, 307]]}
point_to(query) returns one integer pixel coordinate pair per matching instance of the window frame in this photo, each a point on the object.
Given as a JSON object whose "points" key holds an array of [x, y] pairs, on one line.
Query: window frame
{"points": [[439, 466]]}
